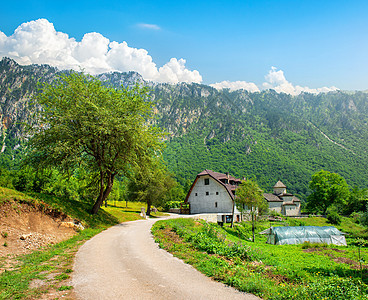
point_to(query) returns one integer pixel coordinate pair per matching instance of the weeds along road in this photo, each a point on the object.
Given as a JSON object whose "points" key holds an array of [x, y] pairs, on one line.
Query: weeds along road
{"points": [[124, 262]]}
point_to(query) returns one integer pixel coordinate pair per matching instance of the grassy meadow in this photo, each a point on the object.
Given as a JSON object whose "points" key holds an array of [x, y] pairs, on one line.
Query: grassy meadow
{"points": [[306, 271]]}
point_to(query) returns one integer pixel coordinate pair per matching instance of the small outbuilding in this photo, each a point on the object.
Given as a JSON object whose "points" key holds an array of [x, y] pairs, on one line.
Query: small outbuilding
{"points": [[282, 202], [299, 234]]}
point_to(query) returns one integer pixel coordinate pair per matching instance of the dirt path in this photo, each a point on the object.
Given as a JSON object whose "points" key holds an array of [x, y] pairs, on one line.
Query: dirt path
{"points": [[124, 262]]}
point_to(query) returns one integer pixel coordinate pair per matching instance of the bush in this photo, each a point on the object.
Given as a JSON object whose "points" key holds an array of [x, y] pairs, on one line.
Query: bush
{"points": [[333, 216], [356, 216], [172, 204], [364, 217]]}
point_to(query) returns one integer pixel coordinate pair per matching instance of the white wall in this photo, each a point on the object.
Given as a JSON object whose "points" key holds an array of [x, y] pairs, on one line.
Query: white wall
{"points": [[276, 206], [291, 210], [202, 203]]}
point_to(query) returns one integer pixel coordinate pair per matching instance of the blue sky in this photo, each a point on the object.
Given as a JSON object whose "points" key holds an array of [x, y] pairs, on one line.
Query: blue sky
{"points": [[315, 43]]}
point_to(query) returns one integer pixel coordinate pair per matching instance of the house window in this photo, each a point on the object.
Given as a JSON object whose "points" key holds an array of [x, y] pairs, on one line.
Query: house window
{"points": [[207, 193], [196, 194], [216, 193], [206, 181], [215, 204]]}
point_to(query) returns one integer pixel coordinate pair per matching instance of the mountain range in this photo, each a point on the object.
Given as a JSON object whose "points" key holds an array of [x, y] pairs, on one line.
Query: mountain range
{"points": [[265, 135]]}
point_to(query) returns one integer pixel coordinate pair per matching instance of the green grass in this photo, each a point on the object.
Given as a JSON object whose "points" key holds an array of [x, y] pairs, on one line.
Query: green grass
{"points": [[269, 271], [8, 194], [124, 213], [53, 265]]}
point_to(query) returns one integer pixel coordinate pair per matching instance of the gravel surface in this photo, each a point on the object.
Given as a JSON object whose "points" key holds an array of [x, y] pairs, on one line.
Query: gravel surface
{"points": [[124, 262]]}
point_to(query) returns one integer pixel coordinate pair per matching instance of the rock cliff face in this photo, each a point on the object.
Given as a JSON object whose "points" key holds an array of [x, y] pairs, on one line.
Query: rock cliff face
{"points": [[17, 86], [267, 135]]}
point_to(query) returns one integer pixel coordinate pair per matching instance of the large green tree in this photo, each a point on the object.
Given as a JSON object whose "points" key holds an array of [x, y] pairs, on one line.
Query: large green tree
{"points": [[357, 201], [85, 124], [151, 184], [249, 199], [327, 189]]}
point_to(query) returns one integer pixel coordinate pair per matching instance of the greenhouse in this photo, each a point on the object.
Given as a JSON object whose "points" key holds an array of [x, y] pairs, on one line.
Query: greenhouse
{"points": [[299, 234]]}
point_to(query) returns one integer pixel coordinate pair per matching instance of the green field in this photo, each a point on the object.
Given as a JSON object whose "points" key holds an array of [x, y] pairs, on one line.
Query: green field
{"points": [[304, 271]]}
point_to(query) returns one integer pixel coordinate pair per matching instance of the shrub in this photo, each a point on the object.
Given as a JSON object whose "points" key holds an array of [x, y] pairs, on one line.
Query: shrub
{"points": [[364, 217], [356, 216], [209, 239], [172, 204], [333, 216]]}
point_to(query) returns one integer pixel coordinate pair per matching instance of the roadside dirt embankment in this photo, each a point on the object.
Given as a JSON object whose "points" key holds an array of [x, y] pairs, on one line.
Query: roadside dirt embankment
{"points": [[25, 227]]}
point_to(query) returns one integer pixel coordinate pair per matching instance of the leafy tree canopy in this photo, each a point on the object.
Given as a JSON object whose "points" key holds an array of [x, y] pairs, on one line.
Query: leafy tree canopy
{"points": [[101, 129], [249, 198], [327, 189], [151, 184], [250, 195], [356, 201]]}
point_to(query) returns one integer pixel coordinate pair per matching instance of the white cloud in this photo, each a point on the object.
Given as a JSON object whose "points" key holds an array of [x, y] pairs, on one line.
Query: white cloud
{"points": [[149, 26], [37, 42], [236, 85], [175, 71], [276, 80]]}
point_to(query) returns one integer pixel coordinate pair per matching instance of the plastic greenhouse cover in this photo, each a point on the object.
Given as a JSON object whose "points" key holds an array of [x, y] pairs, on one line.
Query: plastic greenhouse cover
{"points": [[301, 234]]}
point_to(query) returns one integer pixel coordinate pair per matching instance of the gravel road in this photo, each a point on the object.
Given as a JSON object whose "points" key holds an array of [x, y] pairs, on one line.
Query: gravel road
{"points": [[124, 262]]}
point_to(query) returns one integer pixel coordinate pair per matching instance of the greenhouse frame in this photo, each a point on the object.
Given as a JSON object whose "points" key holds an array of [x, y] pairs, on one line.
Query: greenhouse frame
{"points": [[290, 235]]}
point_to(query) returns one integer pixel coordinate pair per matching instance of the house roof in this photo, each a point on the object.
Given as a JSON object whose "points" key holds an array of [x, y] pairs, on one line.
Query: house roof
{"points": [[217, 177], [272, 198], [295, 199], [278, 198], [279, 184], [285, 194], [288, 203]]}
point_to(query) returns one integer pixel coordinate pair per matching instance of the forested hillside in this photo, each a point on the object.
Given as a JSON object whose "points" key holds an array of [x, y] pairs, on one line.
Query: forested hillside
{"points": [[265, 135]]}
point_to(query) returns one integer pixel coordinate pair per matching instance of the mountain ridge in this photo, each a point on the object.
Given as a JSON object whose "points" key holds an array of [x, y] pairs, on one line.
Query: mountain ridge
{"points": [[266, 135]]}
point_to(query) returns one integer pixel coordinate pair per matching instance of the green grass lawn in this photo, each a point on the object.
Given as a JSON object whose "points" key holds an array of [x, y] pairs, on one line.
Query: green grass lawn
{"points": [[124, 211], [269, 271]]}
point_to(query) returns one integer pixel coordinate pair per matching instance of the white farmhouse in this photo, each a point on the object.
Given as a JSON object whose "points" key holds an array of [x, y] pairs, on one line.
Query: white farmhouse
{"points": [[213, 192], [283, 202]]}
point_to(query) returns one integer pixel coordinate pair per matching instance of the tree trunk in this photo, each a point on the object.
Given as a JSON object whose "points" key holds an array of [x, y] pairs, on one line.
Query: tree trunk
{"points": [[104, 192], [148, 213], [99, 200]]}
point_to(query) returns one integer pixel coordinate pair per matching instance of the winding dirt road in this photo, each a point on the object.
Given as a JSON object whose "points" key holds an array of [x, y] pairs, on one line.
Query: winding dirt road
{"points": [[124, 262]]}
